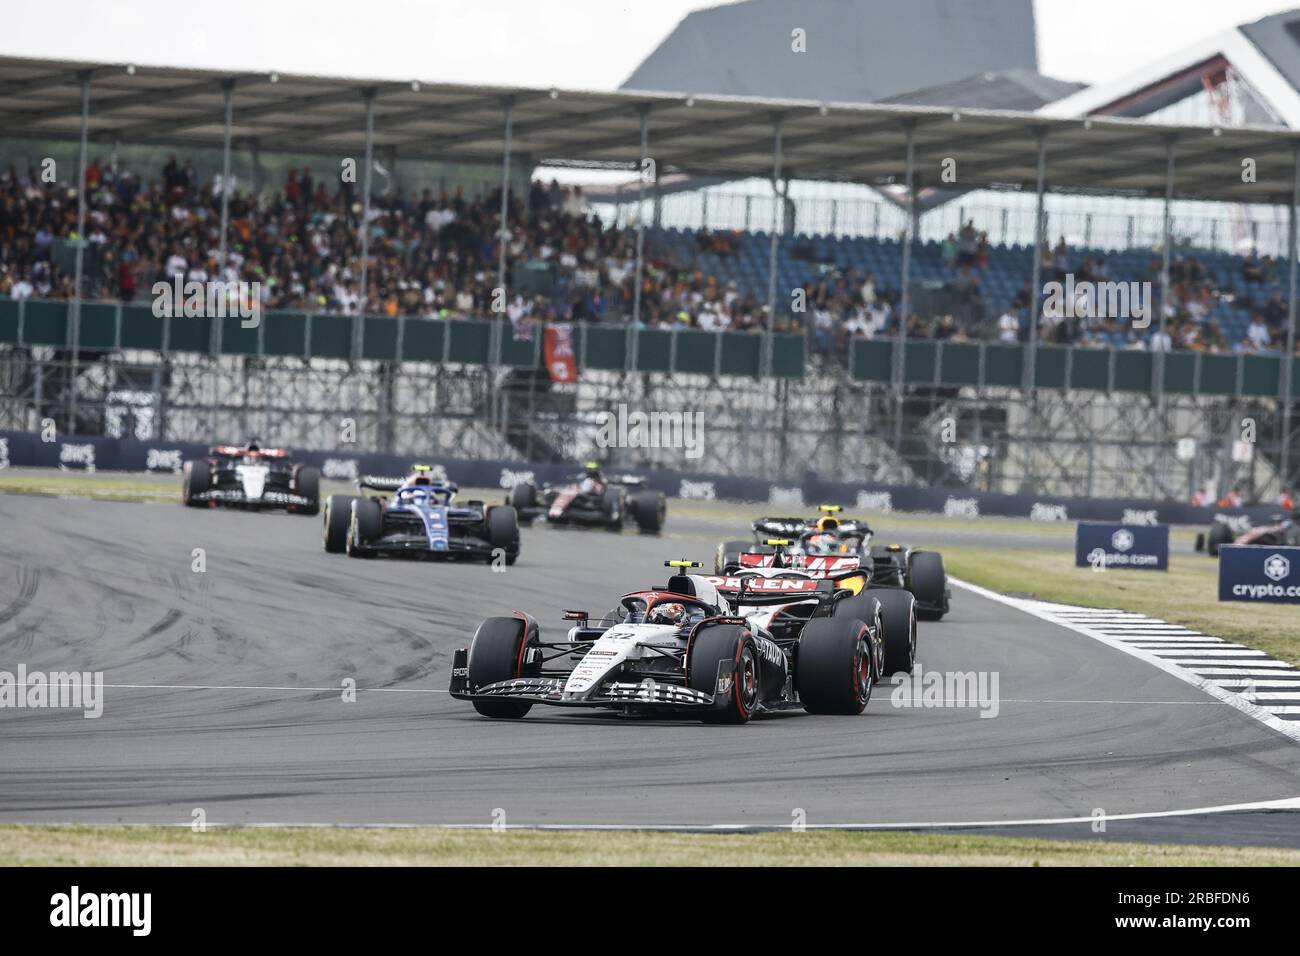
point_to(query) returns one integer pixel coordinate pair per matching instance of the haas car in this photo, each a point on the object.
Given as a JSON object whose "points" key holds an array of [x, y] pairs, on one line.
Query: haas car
{"points": [[1282, 530], [251, 477], [418, 516], [720, 649], [592, 499], [790, 542]]}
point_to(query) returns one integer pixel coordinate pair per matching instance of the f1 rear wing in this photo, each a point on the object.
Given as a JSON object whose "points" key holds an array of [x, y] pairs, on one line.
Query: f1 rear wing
{"points": [[816, 565], [386, 483]]}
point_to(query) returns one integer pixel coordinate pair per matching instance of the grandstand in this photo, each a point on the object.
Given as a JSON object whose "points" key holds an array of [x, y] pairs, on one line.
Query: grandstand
{"points": [[781, 398]]}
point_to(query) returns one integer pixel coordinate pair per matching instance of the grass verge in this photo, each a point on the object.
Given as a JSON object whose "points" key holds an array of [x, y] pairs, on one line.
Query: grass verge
{"points": [[169, 846], [1186, 594]]}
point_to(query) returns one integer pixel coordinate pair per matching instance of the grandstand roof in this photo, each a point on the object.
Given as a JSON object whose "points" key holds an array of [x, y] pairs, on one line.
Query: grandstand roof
{"points": [[859, 51], [703, 135]]}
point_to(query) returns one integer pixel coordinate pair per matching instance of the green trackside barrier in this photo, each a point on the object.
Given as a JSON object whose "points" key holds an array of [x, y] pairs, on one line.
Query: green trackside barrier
{"points": [[602, 348], [1052, 367], [743, 354], [1181, 373], [695, 352], [1261, 376], [470, 341], [872, 360], [379, 339], [1004, 365], [285, 335], [519, 353], [1133, 371], [789, 355], [189, 335], [1090, 369], [9, 312], [960, 363], [423, 341], [45, 323], [141, 329], [654, 350], [331, 336], [921, 363], [98, 325], [237, 340], [1219, 374]]}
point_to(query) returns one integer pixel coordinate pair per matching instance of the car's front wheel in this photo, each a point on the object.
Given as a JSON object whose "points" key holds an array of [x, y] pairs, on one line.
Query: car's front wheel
{"points": [[338, 515], [498, 653], [718, 648]]}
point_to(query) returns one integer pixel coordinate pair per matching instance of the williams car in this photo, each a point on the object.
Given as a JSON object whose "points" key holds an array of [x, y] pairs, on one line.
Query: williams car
{"points": [[418, 516]]}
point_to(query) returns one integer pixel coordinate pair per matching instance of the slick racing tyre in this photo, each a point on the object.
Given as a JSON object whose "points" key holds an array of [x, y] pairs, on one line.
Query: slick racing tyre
{"points": [[613, 504], [365, 527], [503, 532], [306, 482], [196, 478], [709, 648], [522, 496], [496, 654], [729, 555], [338, 514], [927, 580], [649, 508], [898, 618], [1220, 534], [834, 672], [866, 608]]}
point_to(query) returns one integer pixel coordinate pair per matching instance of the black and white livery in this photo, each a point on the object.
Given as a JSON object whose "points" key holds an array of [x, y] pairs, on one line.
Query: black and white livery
{"points": [[418, 516], [251, 477], [716, 648], [591, 498], [793, 542]]}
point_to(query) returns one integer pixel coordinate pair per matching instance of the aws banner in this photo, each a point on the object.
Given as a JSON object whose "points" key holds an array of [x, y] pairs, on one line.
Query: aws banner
{"points": [[1102, 545], [1249, 572]]}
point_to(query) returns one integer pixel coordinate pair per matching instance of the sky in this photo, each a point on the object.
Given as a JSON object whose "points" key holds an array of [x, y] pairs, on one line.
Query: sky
{"points": [[573, 44]]}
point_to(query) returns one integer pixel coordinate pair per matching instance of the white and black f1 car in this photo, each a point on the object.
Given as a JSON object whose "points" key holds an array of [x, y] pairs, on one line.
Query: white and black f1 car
{"points": [[251, 477], [788, 542], [419, 517], [590, 498], [1281, 530], [719, 649]]}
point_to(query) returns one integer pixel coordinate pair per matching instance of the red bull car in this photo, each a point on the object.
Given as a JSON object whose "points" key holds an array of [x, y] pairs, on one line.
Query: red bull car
{"points": [[251, 477], [592, 499], [715, 648], [790, 542]]}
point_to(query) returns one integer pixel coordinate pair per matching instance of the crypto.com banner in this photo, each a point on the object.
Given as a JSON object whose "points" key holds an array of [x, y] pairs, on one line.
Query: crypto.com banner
{"points": [[1250, 572]]}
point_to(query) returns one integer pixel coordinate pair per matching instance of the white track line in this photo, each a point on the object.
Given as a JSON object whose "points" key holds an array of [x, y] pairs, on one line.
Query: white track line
{"points": [[1092, 622], [1287, 803]]}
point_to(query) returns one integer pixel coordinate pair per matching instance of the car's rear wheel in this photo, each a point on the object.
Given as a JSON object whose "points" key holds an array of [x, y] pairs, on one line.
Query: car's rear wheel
{"points": [[306, 482], [496, 654], [613, 503], [898, 620], [649, 509], [338, 515], [196, 478], [834, 671], [710, 648], [522, 496], [365, 527], [503, 532], [928, 581], [728, 554], [1220, 534]]}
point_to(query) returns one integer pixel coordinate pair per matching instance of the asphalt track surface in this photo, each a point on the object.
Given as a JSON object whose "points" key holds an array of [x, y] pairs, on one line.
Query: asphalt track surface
{"points": [[224, 693]]}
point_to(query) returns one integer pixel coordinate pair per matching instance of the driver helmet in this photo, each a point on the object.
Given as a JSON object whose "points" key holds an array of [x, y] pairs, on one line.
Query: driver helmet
{"points": [[254, 445], [822, 543], [828, 523], [670, 613]]}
